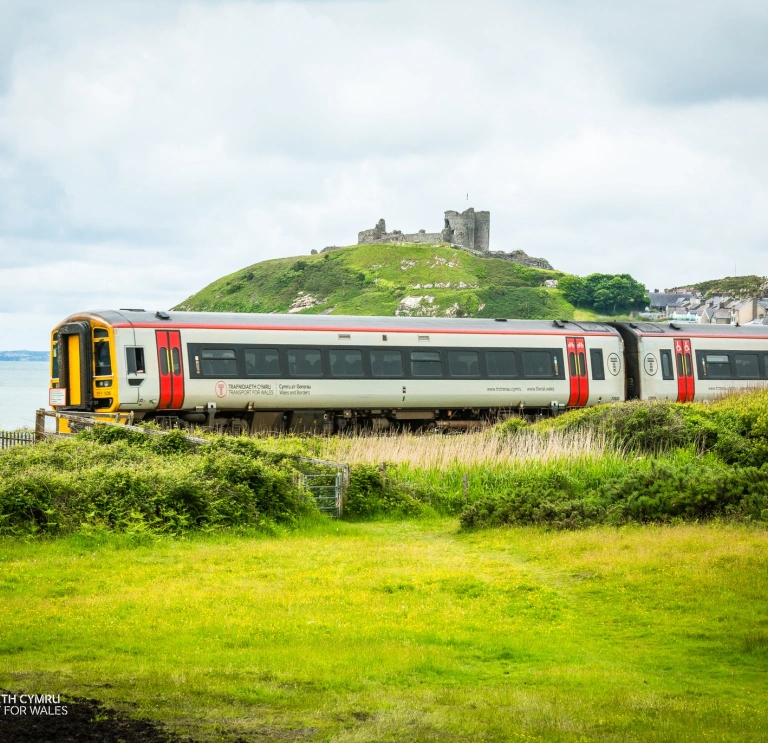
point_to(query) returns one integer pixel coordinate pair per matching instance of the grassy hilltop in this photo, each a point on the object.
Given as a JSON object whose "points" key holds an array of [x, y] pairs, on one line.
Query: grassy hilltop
{"points": [[736, 286], [376, 279]]}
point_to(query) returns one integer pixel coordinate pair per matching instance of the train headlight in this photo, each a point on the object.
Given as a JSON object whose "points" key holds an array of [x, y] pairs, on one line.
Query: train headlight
{"points": [[103, 382]]}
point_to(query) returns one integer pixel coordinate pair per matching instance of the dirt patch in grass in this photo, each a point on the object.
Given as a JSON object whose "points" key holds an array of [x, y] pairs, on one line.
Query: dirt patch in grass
{"points": [[86, 721]]}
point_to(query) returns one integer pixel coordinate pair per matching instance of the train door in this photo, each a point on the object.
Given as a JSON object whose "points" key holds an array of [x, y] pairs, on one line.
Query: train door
{"points": [[683, 360], [171, 368], [75, 364], [577, 367]]}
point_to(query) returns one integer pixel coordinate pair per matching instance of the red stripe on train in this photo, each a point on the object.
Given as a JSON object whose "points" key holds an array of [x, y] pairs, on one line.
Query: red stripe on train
{"points": [[348, 329]]}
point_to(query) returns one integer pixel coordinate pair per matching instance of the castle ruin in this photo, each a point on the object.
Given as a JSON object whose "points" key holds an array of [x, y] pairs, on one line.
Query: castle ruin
{"points": [[468, 229]]}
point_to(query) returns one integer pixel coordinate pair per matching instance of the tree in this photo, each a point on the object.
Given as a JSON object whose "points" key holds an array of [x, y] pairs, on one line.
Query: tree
{"points": [[575, 290], [604, 292]]}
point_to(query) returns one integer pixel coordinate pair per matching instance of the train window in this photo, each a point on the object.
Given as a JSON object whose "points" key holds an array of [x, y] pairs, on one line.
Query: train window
{"points": [[134, 358], [572, 364], [102, 360], [217, 362], [747, 365], [387, 363], [100, 333], [501, 363], [464, 363], [163, 352], [305, 362], [346, 362], [716, 366], [667, 370], [426, 364], [262, 362], [55, 357], [538, 364], [176, 359], [596, 362]]}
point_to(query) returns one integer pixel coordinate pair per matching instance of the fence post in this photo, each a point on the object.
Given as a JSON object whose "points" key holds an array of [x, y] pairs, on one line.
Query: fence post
{"points": [[465, 485], [39, 425], [383, 470]]}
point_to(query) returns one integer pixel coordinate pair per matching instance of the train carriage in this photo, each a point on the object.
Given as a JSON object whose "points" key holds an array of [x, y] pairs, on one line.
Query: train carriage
{"points": [[687, 362], [237, 372]]}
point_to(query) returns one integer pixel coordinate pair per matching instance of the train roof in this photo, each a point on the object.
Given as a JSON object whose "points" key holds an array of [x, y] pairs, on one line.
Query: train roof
{"points": [[694, 330], [344, 323]]}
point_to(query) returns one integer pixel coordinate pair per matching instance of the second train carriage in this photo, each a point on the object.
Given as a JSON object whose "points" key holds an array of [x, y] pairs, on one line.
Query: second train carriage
{"points": [[686, 362], [286, 372]]}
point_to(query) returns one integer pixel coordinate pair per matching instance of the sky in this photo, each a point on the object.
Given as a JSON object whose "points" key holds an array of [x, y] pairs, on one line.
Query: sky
{"points": [[150, 147]]}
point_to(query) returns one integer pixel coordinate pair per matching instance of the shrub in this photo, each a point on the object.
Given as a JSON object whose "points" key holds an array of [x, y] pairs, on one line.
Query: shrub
{"points": [[368, 495], [123, 480], [683, 486], [735, 427]]}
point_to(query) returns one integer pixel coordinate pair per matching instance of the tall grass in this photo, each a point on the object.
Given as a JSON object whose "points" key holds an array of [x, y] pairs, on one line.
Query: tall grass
{"points": [[491, 447]]}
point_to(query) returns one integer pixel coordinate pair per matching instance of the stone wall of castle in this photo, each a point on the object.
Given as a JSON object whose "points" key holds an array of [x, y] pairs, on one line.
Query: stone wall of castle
{"points": [[379, 234], [469, 229]]}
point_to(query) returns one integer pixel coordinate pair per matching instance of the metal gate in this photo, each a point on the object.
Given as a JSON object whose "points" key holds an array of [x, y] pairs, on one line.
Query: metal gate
{"points": [[327, 490]]}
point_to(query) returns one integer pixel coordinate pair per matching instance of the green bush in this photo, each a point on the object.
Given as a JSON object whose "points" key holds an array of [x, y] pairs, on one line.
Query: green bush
{"points": [[682, 486], [369, 495], [735, 427], [126, 481]]}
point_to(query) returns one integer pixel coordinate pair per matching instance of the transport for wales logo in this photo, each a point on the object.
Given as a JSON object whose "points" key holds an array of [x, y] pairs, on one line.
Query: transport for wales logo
{"points": [[32, 705], [221, 389]]}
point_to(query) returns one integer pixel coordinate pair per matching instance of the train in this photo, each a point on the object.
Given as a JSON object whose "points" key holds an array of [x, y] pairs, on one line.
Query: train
{"points": [[237, 372]]}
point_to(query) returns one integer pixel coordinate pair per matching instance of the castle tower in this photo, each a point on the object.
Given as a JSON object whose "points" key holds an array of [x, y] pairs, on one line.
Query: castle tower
{"points": [[482, 231], [469, 229]]}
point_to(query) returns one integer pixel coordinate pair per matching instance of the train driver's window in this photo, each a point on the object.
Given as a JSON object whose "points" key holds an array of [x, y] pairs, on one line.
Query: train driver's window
{"points": [[464, 363], [501, 363], [747, 365], [262, 362], [538, 364], [305, 362], [387, 363], [717, 366], [596, 362], [134, 359], [346, 362], [667, 370], [101, 359], [218, 362], [426, 364]]}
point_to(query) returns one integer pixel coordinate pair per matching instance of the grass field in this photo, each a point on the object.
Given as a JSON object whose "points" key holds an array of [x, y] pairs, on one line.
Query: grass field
{"points": [[402, 631]]}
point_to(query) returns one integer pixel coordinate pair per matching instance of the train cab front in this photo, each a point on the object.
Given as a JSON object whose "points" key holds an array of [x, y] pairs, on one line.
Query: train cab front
{"points": [[83, 378]]}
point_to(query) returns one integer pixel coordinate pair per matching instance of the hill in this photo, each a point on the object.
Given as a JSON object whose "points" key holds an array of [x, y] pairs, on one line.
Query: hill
{"points": [[734, 286], [389, 279]]}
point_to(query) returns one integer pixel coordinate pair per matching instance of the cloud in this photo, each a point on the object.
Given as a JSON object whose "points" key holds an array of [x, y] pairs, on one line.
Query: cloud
{"points": [[148, 148]]}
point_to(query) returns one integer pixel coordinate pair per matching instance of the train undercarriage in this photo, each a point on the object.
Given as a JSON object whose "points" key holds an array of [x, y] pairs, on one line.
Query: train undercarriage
{"points": [[329, 422]]}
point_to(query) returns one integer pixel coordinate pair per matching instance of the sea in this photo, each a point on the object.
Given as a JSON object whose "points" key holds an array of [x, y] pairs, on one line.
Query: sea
{"points": [[23, 389]]}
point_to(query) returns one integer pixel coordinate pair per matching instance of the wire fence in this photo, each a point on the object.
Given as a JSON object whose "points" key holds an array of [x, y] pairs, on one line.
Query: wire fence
{"points": [[16, 438]]}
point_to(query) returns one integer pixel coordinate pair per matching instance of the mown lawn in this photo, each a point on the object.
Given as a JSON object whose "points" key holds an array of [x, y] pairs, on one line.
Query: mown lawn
{"points": [[405, 631]]}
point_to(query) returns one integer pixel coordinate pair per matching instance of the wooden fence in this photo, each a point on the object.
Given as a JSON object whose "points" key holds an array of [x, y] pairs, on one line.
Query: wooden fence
{"points": [[16, 438]]}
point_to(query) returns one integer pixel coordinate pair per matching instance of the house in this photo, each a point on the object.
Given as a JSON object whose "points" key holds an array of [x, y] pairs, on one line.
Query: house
{"points": [[746, 311], [721, 317], [660, 300]]}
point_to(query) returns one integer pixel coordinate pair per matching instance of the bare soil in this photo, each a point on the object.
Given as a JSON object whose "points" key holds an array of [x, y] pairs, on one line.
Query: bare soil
{"points": [[86, 721]]}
